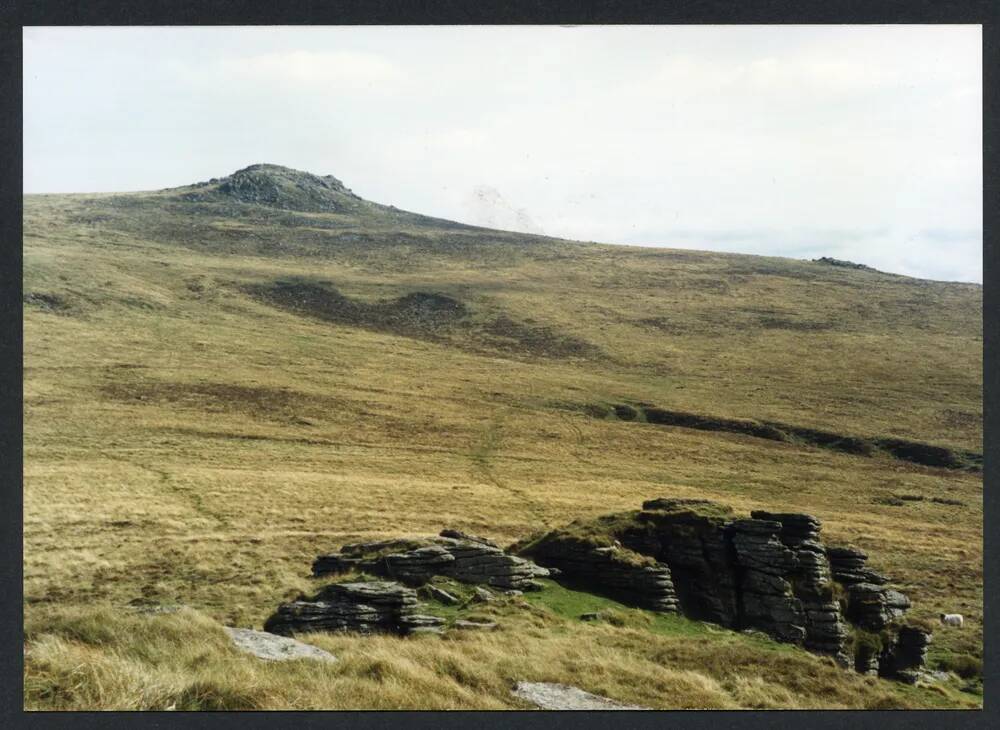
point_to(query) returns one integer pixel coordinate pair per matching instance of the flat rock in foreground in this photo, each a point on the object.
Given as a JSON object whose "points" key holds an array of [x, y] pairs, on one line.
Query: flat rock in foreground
{"points": [[275, 648], [550, 696]]}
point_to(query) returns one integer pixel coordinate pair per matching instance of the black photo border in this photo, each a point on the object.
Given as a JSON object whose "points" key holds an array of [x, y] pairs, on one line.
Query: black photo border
{"points": [[15, 14]]}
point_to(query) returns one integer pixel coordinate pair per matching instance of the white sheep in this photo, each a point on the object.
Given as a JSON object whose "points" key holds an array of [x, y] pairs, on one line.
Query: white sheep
{"points": [[952, 619]]}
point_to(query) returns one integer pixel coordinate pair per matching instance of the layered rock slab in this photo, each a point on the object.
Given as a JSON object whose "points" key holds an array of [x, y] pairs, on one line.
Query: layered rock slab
{"points": [[373, 607], [451, 554]]}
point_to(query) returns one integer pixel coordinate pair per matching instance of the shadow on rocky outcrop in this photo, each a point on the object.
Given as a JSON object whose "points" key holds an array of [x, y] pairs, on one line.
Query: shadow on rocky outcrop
{"points": [[912, 451], [768, 572]]}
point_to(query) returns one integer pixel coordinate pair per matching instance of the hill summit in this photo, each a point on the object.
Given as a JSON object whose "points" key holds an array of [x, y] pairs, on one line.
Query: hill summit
{"points": [[278, 187]]}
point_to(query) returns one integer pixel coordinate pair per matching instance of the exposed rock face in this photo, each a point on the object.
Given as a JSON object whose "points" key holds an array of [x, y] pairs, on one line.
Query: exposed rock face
{"points": [[770, 572], [378, 606], [459, 535], [699, 556], [766, 595], [905, 655], [866, 660], [453, 554], [280, 187], [874, 607], [811, 576], [830, 261], [848, 567]]}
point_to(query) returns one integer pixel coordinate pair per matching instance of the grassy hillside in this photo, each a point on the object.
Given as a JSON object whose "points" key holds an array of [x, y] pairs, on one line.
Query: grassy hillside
{"points": [[224, 380]]}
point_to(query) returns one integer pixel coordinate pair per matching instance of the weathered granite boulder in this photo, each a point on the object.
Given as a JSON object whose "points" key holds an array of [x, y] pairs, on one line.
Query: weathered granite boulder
{"points": [[481, 595], [440, 594], [419, 565], [378, 606], [874, 607], [795, 527], [811, 578], [477, 562], [272, 647], [418, 623], [362, 556], [847, 565], [905, 654]]}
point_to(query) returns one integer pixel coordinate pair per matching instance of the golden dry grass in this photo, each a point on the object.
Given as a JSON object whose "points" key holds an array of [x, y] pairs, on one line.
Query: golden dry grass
{"points": [[185, 443]]}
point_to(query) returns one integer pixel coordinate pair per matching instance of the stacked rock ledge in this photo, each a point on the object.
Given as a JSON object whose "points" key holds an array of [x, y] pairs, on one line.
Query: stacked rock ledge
{"points": [[451, 554], [370, 607]]}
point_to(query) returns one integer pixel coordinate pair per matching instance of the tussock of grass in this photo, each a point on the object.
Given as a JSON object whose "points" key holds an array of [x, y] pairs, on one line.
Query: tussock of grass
{"points": [[103, 658], [965, 666]]}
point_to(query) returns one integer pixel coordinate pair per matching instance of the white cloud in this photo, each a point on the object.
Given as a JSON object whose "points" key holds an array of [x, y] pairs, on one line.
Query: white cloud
{"points": [[485, 206], [313, 68], [621, 134], [296, 71]]}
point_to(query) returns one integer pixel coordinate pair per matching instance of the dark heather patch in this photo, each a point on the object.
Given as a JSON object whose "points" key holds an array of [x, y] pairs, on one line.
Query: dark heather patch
{"points": [[626, 412], [46, 302], [828, 439], [663, 417], [506, 334], [888, 501], [927, 454], [959, 419], [430, 316], [799, 325], [253, 400], [662, 324], [946, 500], [912, 451], [421, 315]]}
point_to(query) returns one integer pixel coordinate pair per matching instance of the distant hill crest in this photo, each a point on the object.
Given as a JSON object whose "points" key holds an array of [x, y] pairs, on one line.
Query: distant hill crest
{"points": [[278, 187]]}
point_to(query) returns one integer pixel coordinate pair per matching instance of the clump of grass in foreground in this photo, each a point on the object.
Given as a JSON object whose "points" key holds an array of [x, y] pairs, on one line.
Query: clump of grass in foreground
{"points": [[102, 658], [964, 665]]}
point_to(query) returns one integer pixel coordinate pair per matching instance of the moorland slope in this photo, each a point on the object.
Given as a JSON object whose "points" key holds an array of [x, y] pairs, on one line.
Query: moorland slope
{"points": [[226, 379]]}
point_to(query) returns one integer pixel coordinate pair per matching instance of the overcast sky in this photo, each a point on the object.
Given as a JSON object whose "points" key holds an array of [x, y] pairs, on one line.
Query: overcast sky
{"points": [[863, 143]]}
